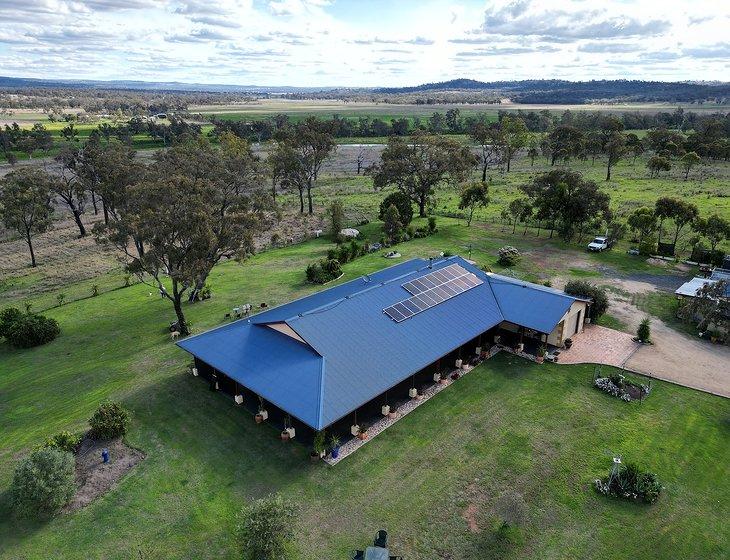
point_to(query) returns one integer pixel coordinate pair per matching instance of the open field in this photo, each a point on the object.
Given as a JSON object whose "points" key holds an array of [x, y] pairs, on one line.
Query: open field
{"points": [[325, 107], [432, 479]]}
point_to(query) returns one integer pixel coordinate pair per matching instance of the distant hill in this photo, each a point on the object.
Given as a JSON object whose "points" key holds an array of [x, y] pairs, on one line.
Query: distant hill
{"points": [[564, 91], [9, 82]]}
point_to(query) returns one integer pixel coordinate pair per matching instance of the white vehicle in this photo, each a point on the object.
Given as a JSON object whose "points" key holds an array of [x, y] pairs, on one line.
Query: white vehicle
{"points": [[599, 244]]}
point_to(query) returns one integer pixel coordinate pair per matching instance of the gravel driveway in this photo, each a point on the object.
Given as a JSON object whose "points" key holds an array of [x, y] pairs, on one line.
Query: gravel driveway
{"points": [[674, 356]]}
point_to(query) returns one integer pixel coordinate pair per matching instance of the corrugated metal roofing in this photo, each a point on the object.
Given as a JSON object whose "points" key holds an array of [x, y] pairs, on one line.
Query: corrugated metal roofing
{"points": [[367, 352], [283, 371], [530, 305], [355, 350]]}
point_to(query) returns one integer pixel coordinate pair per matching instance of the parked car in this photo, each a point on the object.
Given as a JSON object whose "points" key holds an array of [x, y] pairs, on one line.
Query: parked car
{"points": [[600, 243]]}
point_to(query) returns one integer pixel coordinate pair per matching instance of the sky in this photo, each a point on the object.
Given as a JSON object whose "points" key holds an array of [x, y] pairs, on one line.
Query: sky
{"points": [[361, 43]]}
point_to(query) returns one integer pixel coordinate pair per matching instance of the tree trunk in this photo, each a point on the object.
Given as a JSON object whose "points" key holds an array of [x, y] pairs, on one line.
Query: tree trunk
{"points": [[106, 212], [79, 223], [30, 246], [514, 226], [177, 304], [93, 202], [310, 207], [608, 172], [509, 160], [484, 171], [659, 236], [301, 200], [422, 206]]}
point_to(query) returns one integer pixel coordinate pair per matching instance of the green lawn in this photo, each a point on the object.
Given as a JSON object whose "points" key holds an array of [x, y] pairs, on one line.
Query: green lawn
{"points": [[541, 430]]}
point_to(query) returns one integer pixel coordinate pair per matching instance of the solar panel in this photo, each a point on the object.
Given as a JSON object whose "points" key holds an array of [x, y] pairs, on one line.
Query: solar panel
{"points": [[434, 279], [432, 289]]}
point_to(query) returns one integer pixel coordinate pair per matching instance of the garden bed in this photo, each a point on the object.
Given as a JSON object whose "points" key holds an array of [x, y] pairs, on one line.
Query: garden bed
{"points": [[94, 478], [618, 386]]}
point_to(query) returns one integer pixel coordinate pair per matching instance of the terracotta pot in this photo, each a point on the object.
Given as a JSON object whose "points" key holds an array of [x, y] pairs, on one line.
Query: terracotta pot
{"points": [[284, 436], [313, 458], [443, 381], [392, 414], [539, 359], [259, 418], [362, 436]]}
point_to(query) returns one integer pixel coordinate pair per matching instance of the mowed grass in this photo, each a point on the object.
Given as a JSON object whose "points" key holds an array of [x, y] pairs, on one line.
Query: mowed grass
{"points": [[540, 430]]}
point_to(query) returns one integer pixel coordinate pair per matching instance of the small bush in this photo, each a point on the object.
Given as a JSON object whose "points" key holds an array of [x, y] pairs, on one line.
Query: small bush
{"points": [[265, 528], [323, 271], [508, 256], [43, 483], [402, 202], [31, 329], [648, 245], [432, 225], [582, 288], [110, 420], [644, 331], [631, 483], [65, 441], [8, 316]]}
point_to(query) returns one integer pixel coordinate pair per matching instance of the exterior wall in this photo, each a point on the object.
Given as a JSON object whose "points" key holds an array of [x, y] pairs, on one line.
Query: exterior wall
{"points": [[566, 326]]}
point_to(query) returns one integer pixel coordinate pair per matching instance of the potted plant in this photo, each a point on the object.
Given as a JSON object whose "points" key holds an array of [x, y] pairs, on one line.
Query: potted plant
{"points": [[385, 409], [392, 413], [520, 347], [288, 429], [455, 375], [355, 429], [363, 432], [413, 392], [335, 446], [436, 377], [319, 446], [568, 342], [262, 413], [458, 363], [444, 377], [540, 357]]}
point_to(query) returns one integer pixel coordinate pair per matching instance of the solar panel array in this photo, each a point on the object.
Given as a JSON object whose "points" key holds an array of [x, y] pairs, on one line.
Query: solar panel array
{"points": [[432, 289]]}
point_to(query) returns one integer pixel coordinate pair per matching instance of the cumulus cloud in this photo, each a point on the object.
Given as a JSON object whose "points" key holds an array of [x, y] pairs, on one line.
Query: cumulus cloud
{"points": [[718, 50], [609, 47], [526, 17]]}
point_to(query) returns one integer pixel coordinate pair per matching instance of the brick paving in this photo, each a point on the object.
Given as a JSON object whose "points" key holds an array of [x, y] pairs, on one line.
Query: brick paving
{"points": [[600, 345]]}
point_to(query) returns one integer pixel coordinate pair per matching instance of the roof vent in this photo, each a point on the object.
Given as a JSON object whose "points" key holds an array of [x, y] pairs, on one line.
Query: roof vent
{"points": [[430, 262]]}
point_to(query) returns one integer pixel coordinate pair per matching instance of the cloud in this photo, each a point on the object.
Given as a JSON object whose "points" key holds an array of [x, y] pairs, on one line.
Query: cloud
{"points": [[198, 36], [419, 41], [505, 51], [609, 47], [525, 17], [718, 50]]}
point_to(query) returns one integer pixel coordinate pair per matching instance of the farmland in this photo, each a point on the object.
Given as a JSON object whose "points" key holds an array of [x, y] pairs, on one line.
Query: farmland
{"points": [[432, 479]]}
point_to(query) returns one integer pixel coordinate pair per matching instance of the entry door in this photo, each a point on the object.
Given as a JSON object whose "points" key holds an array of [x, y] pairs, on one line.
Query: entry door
{"points": [[577, 322]]}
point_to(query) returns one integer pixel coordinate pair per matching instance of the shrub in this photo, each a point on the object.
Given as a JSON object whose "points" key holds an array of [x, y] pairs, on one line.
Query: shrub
{"points": [[8, 316], [432, 225], [265, 528], [323, 271], [648, 245], [585, 289], [402, 202], [110, 420], [43, 483], [65, 441], [644, 331], [632, 483], [30, 329], [508, 256], [336, 213]]}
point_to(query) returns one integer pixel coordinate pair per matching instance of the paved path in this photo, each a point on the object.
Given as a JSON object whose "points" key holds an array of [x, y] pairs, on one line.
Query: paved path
{"points": [[600, 345]]}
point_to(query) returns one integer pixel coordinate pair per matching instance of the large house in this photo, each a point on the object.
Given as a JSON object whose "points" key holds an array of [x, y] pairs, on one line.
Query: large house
{"points": [[326, 356]]}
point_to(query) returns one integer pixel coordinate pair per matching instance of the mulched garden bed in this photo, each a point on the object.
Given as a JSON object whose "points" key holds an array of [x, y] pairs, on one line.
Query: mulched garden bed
{"points": [[94, 478], [622, 388]]}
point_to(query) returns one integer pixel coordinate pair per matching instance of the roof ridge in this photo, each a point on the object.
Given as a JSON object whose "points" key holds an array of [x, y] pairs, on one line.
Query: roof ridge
{"points": [[335, 303]]}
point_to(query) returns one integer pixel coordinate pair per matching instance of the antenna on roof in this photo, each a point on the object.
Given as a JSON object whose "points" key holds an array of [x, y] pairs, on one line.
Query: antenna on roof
{"points": [[366, 278], [430, 262]]}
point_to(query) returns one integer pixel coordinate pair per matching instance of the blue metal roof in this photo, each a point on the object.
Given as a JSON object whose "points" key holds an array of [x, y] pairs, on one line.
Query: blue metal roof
{"points": [[354, 351], [283, 371], [530, 305]]}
